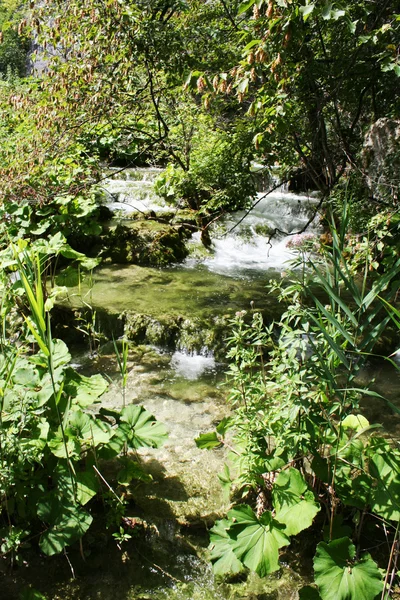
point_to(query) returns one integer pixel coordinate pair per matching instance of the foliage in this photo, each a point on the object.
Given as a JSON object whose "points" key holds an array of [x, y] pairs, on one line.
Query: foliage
{"points": [[218, 176], [15, 42], [48, 182], [50, 444], [339, 576], [297, 430], [313, 76]]}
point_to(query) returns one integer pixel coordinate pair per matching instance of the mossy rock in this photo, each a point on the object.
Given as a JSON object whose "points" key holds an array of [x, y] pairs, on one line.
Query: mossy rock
{"points": [[147, 243], [170, 331]]}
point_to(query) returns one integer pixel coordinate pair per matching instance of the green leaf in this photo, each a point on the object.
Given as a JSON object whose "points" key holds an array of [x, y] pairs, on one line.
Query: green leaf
{"points": [[385, 497], [26, 376], [245, 6], [70, 526], [339, 577], [224, 425], [294, 503], [89, 263], [68, 449], [60, 353], [243, 85], [221, 547], [355, 422], [336, 14], [87, 429], [206, 441], [145, 431], [326, 11], [84, 390], [306, 10], [115, 445], [257, 541], [251, 45], [87, 486]]}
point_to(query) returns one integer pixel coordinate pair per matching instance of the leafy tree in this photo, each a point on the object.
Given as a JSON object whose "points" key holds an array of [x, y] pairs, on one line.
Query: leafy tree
{"points": [[15, 42], [315, 75]]}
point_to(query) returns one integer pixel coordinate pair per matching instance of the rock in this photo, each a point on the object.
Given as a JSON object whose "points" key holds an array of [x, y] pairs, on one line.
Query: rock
{"points": [[381, 158], [144, 243]]}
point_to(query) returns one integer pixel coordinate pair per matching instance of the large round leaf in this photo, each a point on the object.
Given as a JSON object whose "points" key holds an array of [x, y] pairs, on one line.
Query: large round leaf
{"points": [[221, 547], [257, 541], [294, 503], [340, 577], [145, 431]]}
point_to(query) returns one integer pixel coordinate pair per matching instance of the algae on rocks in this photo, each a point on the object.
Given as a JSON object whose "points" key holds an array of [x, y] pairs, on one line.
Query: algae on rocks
{"points": [[147, 243]]}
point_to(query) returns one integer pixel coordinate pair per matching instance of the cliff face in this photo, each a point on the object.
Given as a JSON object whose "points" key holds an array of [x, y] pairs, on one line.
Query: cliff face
{"points": [[381, 159]]}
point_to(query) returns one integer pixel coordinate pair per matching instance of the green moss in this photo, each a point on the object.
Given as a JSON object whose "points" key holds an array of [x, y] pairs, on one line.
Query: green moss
{"points": [[145, 242]]}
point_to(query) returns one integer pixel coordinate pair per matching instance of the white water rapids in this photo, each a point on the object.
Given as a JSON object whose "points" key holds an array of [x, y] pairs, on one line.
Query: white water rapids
{"points": [[241, 243]]}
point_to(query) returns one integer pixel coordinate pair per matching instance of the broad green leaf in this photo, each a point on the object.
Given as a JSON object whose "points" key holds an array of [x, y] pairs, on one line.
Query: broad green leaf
{"points": [[120, 438], [355, 422], [257, 541], [221, 552], [70, 526], [84, 390], [89, 263], [206, 441], [385, 497], [60, 353], [145, 431], [245, 6], [340, 577], [336, 14], [26, 376], [294, 503], [87, 486], [306, 10], [224, 425], [70, 253], [87, 429], [326, 11], [70, 448]]}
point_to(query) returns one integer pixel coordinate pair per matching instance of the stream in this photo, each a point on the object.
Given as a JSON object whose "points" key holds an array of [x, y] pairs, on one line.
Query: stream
{"points": [[180, 379]]}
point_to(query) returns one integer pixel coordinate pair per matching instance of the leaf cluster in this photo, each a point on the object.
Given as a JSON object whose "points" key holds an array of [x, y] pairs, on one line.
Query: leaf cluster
{"points": [[297, 439], [51, 445]]}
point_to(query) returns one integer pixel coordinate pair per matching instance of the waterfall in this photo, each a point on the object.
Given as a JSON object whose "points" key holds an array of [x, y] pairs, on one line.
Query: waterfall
{"points": [[243, 244]]}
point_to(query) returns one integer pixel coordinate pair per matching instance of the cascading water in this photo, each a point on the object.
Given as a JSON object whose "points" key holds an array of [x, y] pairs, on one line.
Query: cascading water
{"points": [[243, 244], [183, 389], [258, 241], [132, 190]]}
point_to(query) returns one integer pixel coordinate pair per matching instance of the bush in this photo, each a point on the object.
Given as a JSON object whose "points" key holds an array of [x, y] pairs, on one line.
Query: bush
{"points": [[218, 178]]}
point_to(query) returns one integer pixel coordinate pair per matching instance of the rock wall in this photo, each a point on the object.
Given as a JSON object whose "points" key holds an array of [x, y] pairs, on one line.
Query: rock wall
{"points": [[381, 159]]}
